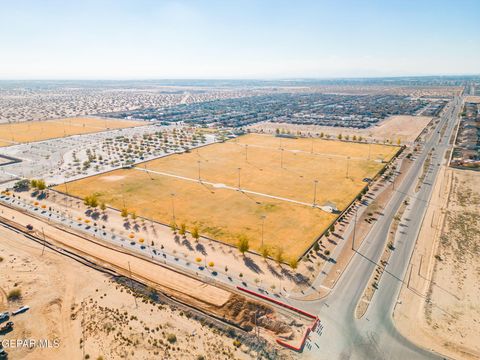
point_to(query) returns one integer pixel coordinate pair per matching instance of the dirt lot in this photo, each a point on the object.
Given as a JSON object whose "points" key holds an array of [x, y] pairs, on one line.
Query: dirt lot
{"points": [[168, 280], [403, 127], [226, 213], [440, 309], [472, 99], [50, 129], [76, 305]]}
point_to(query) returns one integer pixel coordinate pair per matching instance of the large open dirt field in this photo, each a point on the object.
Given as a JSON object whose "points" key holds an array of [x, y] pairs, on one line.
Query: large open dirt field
{"points": [[77, 305], [275, 183], [403, 127], [43, 130], [439, 309]]}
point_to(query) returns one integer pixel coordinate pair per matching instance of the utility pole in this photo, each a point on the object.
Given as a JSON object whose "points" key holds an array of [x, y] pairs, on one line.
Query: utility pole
{"points": [[354, 230], [44, 240], [409, 276], [83, 328], [420, 267], [131, 285]]}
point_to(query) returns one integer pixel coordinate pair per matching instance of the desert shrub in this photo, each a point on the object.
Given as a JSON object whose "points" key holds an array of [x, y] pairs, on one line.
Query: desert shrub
{"points": [[172, 338], [15, 294]]}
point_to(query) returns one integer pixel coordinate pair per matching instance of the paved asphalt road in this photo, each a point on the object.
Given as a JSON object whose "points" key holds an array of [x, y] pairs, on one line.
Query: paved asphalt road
{"points": [[341, 335], [374, 336]]}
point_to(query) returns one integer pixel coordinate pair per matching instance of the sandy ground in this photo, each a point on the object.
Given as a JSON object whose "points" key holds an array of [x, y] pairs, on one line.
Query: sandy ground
{"points": [[205, 206], [142, 269], [439, 309], [74, 304], [405, 128], [50, 129], [203, 296], [472, 99]]}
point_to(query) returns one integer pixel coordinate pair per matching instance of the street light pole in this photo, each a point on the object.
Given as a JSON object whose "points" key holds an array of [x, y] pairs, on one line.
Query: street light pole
{"points": [[315, 193], [354, 227]]}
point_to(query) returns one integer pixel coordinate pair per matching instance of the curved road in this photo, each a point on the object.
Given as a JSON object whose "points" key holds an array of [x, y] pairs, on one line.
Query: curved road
{"points": [[374, 336]]}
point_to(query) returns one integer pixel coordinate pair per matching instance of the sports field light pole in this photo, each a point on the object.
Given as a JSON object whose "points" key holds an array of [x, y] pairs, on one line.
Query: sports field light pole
{"points": [[263, 223], [239, 170], [348, 158], [199, 179], [123, 195], [173, 206], [315, 182], [246, 152], [281, 158]]}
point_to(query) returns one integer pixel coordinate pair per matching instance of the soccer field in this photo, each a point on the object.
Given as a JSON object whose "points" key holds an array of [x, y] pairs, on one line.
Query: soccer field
{"points": [[30, 131], [228, 189]]}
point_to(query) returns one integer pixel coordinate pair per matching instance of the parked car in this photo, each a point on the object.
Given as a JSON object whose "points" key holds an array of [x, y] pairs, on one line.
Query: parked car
{"points": [[4, 316], [20, 310], [3, 353], [7, 327]]}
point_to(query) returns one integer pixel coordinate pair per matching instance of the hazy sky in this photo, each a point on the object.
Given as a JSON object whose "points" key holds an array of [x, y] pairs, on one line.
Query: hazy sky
{"points": [[237, 38]]}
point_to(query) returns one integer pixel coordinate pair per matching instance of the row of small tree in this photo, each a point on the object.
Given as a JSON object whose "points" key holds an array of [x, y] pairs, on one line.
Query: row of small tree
{"points": [[38, 184], [92, 201]]}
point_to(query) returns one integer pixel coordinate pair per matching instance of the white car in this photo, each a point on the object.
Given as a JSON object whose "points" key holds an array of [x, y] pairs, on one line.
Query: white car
{"points": [[20, 310]]}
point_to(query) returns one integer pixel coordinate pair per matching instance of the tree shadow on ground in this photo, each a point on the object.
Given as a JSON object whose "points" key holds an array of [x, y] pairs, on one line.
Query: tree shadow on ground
{"points": [[201, 249], [252, 265], [297, 278], [187, 244], [332, 242], [274, 271]]}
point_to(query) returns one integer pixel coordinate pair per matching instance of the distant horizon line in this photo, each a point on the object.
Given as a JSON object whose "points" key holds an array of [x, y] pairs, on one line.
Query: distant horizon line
{"points": [[306, 78]]}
